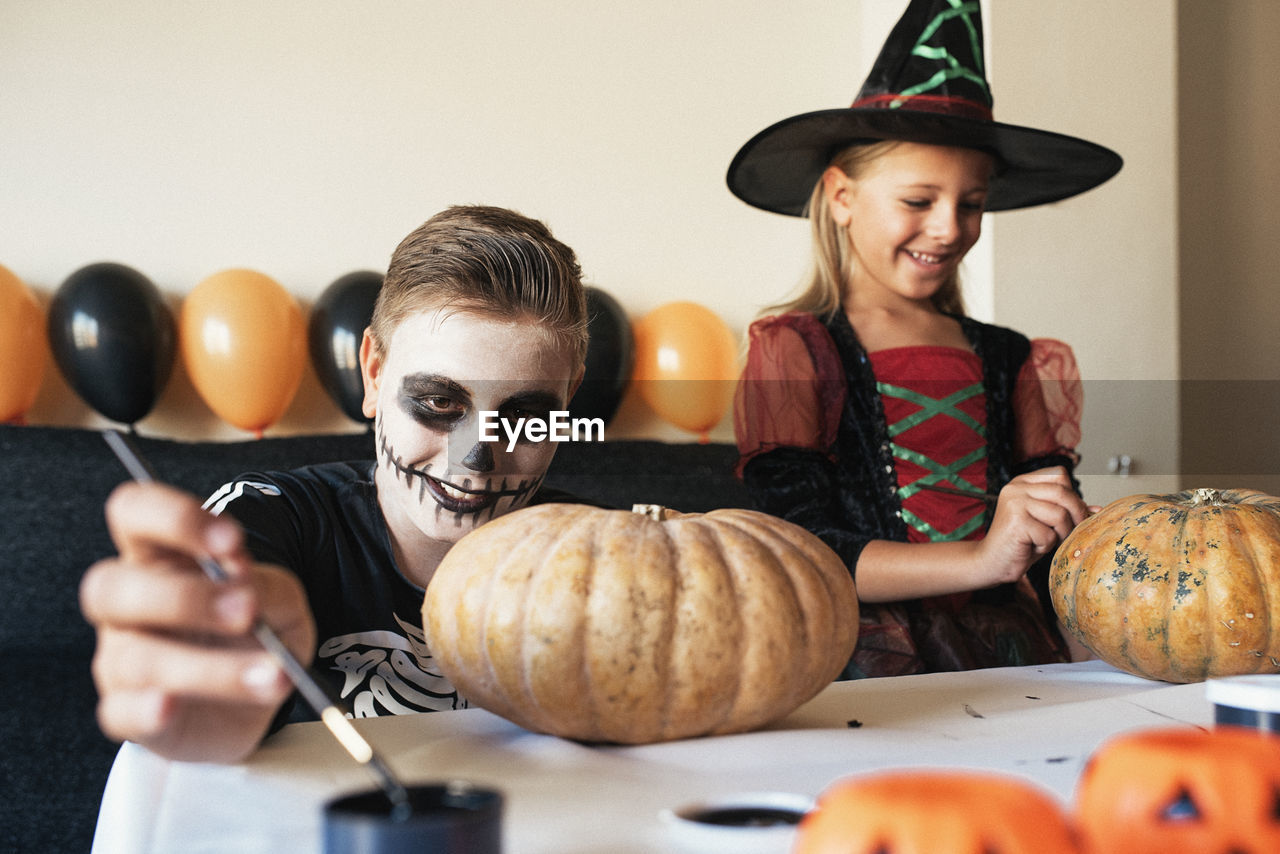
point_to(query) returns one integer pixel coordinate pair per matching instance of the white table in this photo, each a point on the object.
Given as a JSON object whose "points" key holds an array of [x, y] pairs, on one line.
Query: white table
{"points": [[1040, 723]]}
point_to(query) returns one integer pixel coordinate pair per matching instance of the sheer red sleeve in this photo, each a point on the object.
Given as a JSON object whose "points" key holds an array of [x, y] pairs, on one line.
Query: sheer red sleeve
{"points": [[1049, 401], [792, 389]]}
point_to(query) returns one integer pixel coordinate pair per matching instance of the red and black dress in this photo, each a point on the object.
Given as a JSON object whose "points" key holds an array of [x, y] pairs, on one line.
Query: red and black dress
{"points": [[848, 444]]}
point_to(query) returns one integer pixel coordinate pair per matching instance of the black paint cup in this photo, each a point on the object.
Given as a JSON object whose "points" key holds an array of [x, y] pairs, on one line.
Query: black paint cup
{"points": [[445, 818], [1252, 701], [752, 823]]}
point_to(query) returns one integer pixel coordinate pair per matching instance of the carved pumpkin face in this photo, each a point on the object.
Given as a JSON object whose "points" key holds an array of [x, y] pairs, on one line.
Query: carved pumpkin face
{"points": [[935, 812], [1171, 790]]}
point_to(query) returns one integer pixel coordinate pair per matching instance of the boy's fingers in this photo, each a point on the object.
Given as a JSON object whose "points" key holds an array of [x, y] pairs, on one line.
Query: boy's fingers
{"points": [[152, 519], [283, 601], [166, 596], [139, 663], [134, 716]]}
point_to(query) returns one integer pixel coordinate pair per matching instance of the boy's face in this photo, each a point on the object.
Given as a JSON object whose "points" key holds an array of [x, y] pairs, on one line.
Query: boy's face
{"points": [[426, 392]]}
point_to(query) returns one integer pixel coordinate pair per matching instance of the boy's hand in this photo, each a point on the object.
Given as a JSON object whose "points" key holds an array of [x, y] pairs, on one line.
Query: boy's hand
{"points": [[1035, 513], [176, 667]]}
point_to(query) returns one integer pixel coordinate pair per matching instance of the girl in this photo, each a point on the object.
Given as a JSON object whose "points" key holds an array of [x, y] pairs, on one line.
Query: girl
{"points": [[872, 410]]}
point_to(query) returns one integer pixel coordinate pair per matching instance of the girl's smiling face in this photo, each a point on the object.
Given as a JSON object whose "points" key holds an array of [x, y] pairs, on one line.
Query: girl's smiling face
{"points": [[911, 217], [426, 392]]}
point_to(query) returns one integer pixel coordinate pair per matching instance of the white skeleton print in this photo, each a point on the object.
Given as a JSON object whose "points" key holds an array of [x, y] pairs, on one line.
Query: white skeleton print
{"points": [[388, 673]]}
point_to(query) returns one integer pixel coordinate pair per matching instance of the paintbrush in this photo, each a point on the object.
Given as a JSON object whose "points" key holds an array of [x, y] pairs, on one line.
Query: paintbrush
{"points": [[310, 689], [987, 497]]}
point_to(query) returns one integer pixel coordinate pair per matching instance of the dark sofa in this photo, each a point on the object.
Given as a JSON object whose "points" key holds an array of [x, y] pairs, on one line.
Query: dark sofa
{"points": [[53, 760]]}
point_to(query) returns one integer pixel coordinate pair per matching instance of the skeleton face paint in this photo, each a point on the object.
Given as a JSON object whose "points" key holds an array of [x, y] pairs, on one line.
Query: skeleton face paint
{"points": [[436, 481], [475, 494]]}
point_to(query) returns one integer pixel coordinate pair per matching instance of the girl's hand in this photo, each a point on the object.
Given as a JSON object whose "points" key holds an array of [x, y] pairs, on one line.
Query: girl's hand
{"points": [[1035, 513], [176, 667]]}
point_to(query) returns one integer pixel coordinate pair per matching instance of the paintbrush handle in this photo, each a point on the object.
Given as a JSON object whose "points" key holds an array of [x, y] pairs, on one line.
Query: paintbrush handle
{"points": [[988, 497], [332, 716], [303, 680]]}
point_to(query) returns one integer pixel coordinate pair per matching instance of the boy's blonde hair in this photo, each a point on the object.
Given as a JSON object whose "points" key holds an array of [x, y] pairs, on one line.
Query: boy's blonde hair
{"points": [[832, 261], [489, 261]]}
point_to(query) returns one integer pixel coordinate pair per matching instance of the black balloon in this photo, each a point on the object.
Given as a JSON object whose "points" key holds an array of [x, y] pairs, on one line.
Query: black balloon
{"points": [[334, 331], [113, 338], [610, 357]]}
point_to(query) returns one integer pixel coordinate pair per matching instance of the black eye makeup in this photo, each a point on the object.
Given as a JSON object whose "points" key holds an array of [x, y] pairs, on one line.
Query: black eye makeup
{"points": [[536, 405], [436, 402]]}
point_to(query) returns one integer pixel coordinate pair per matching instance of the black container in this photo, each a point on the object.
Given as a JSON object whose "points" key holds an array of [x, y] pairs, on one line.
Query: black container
{"points": [[1251, 701], [741, 823], [446, 818]]}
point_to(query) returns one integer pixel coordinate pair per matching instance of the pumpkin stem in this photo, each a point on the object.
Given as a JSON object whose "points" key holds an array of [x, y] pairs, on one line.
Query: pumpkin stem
{"points": [[656, 512], [1203, 496]]}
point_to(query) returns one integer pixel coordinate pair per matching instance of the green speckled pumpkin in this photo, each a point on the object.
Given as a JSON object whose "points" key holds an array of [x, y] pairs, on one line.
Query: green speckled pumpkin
{"points": [[1180, 587]]}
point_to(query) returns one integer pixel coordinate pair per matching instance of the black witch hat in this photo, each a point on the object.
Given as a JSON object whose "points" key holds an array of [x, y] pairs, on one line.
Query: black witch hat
{"points": [[928, 85]]}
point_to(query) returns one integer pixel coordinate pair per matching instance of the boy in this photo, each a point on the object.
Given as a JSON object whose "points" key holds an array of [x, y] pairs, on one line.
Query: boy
{"points": [[482, 310]]}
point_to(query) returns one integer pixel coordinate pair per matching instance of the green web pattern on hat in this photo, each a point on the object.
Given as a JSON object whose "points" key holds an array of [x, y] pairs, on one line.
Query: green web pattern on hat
{"points": [[965, 12], [928, 85], [907, 72]]}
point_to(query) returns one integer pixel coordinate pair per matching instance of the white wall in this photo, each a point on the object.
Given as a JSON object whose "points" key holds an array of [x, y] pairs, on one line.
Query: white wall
{"points": [[1100, 271], [303, 139], [1230, 215]]}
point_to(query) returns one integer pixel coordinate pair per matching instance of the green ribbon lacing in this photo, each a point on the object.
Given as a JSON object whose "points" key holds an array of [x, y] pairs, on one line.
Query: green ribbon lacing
{"points": [[937, 472]]}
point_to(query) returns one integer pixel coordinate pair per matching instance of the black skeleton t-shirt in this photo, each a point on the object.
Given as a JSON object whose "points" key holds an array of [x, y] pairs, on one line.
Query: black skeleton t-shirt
{"points": [[323, 523]]}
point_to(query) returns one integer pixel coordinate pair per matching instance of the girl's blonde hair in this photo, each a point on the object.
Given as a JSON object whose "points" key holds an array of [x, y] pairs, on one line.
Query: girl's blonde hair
{"points": [[828, 277]]}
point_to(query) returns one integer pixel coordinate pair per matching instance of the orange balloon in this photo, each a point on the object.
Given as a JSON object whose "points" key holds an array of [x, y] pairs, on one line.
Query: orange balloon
{"points": [[244, 343], [24, 347], [686, 365]]}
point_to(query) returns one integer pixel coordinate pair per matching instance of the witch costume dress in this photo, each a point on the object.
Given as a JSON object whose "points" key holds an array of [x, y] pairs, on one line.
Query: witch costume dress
{"points": [[857, 446], [854, 445]]}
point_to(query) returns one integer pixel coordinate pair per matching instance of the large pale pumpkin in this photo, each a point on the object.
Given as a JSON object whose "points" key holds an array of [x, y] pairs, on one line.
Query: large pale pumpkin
{"points": [[635, 627], [1179, 587]]}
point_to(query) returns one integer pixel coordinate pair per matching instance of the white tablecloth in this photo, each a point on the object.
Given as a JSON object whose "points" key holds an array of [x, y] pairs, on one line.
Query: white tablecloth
{"points": [[1040, 723]]}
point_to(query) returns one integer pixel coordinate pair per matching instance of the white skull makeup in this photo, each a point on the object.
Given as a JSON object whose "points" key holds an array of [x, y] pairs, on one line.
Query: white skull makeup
{"points": [[475, 494], [436, 481]]}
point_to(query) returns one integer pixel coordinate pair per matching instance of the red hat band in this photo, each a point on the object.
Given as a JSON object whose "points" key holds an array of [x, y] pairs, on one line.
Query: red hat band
{"points": [[928, 85], [950, 105]]}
